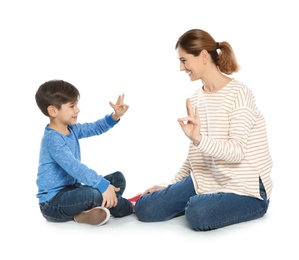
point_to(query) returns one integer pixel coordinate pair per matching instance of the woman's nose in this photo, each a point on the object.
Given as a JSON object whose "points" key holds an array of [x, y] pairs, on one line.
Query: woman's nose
{"points": [[182, 67]]}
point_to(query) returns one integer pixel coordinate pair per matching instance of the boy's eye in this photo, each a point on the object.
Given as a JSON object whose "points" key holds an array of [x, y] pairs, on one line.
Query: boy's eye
{"points": [[73, 104]]}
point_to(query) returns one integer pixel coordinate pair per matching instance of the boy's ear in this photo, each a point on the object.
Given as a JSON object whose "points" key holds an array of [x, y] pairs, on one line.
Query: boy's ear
{"points": [[52, 111]]}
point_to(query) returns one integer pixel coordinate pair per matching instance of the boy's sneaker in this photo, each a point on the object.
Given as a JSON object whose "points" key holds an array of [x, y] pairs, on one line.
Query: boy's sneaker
{"points": [[95, 216]]}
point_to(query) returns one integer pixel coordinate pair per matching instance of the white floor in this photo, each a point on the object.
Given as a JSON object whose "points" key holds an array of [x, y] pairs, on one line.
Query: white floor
{"points": [[28, 235], [97, 46]]}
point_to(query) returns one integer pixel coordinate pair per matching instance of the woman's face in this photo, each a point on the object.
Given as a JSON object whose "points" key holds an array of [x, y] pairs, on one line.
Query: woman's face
{"points": [[192, 65]]}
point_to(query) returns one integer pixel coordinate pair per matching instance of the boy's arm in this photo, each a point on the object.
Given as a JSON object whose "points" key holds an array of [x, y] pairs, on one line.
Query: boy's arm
{"points": [[65, 159], [96, 128]]}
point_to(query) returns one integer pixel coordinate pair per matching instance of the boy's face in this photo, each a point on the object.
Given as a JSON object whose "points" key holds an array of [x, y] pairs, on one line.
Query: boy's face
{"points": [[68, 113]]}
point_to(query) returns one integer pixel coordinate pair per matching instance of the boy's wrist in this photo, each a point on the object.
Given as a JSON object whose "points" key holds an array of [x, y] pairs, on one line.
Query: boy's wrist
{"points": [[114, 117]]}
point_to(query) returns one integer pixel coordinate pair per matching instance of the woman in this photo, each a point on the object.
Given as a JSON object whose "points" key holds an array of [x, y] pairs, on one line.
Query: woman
{"points": [[225, 178]]}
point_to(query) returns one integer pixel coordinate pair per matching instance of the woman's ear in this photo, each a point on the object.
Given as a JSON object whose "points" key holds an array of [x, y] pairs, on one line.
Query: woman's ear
{"points": [[52, 111], [204, 55]]}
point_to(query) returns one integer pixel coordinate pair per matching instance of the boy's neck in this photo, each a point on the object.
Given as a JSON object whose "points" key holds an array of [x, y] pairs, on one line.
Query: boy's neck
{"points": [[63, 129]]}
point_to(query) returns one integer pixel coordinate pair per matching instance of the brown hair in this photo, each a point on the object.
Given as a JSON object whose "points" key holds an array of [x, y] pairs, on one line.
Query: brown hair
{"points": [[196, 40], [56, 93]]}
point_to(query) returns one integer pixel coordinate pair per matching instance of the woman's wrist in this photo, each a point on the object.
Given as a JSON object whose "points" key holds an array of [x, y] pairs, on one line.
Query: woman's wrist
{"points": [[197, 141]]}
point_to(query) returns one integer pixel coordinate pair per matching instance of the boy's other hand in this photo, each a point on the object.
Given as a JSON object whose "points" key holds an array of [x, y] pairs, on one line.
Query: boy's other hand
{"points": [[109, 197]]}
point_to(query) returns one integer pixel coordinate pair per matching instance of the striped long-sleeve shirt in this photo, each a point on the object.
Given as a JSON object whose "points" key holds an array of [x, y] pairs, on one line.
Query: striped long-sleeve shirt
{"points": [[233, 153]]}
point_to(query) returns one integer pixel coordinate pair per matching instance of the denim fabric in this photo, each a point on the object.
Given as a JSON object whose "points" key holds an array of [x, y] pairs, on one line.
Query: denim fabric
{"points": [[203, 212], [76, 198]]}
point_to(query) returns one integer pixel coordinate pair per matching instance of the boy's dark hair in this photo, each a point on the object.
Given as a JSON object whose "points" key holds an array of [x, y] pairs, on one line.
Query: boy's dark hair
{"points": [[56, 93]]}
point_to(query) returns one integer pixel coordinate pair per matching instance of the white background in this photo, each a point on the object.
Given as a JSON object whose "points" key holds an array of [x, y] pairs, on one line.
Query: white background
{"points": [[106, 48]]}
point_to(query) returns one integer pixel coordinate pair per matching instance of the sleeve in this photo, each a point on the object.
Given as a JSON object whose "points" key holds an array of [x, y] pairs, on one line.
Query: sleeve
{"points": [[184, 172], [63, 156], [96, 128], [242, 118]]}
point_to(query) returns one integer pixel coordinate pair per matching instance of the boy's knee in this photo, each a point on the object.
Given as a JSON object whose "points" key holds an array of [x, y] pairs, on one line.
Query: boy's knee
{"points": [[118, 176]]}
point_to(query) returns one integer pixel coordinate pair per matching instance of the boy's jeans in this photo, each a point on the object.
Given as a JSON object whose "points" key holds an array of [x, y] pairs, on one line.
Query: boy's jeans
{"points": [[76, 198], [203, 212]]}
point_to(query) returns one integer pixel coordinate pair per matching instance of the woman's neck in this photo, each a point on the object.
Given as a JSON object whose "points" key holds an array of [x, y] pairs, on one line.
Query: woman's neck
{"points": [[215, 84]]}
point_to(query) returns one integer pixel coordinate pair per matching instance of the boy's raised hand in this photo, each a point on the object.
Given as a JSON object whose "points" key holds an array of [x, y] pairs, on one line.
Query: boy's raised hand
{"points": [[120, 108]]}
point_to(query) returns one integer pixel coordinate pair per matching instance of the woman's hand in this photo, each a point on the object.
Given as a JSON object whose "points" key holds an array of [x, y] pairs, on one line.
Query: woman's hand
{"points": [[191, 124]]}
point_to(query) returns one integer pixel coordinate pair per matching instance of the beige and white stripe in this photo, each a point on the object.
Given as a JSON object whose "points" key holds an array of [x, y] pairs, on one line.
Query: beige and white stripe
{"points": [[234, 151]]}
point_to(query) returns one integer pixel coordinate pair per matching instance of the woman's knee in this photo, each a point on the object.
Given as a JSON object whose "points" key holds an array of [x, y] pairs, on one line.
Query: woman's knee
{"points": [[143, 211], [212, 211], [198, 217], [203, 212]]}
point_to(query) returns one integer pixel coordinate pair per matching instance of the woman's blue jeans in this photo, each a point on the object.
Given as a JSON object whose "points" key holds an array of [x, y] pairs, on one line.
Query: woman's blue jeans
{"points": [[76, 198], [203, 212]]}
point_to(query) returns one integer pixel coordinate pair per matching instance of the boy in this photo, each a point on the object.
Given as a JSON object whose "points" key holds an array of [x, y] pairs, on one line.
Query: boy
{"points": [[67, 189]]}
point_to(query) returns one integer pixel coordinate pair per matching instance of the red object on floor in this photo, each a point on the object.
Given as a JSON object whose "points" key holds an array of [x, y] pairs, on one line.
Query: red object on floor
{"points": [[134, 199]]}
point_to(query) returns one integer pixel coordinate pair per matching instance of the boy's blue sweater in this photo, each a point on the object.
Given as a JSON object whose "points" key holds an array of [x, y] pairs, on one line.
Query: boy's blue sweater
{"points": [[60, 159]]}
